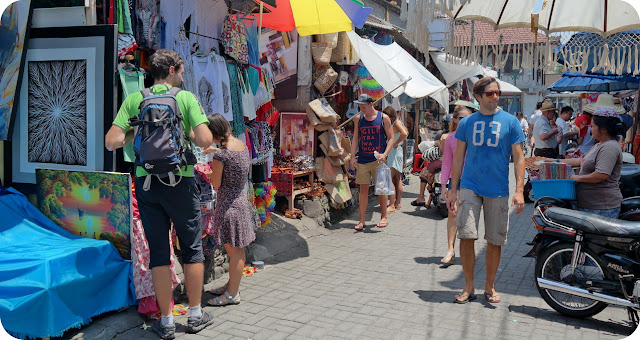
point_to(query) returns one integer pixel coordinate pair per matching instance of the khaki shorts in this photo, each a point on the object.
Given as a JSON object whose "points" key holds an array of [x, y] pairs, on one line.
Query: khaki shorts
{"points": [[365, 172], [496, 217]]}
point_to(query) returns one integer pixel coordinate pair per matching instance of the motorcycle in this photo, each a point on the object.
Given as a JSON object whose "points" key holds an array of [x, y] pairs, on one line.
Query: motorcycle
{"points": [[438, 197], [584, 261]]}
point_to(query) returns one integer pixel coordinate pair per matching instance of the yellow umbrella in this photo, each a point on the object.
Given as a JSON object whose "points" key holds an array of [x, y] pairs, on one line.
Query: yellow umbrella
{"points": [[315, 16]]}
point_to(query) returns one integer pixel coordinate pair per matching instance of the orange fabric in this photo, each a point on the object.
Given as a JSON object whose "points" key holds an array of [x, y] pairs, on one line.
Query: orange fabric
{"points": [[280, 18]]}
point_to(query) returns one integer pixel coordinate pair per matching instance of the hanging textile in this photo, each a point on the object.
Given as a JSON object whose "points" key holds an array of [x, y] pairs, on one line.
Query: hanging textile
{"points": [[224, 105], [126, 41], [210, 19], [237, 125], [207, 83], [253, 49], [183, 48], [248, 102], [234, 40], [132, 81], [174, 15], [147, 25]]}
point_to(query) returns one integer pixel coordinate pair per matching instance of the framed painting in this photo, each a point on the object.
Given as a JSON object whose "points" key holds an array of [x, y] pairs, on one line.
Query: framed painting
{"points": [[14, 28], [91, 204], [296, 135], [279, 55], [67, 101]]}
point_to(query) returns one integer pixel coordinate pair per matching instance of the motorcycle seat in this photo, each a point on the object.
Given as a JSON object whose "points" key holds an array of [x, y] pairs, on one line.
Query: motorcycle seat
{"points": [[592, 223]]}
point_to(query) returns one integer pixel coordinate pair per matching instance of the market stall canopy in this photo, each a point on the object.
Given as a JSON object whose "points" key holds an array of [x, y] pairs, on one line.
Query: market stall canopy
{"points": [[604, 17], [622, 57], [579, 82], [457, 70], [315, 16], [391, 65]]}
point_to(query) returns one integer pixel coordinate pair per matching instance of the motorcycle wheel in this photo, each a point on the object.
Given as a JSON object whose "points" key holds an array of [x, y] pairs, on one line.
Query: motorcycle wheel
{"points": [[528, 193], [555, 264], [444, 211]]}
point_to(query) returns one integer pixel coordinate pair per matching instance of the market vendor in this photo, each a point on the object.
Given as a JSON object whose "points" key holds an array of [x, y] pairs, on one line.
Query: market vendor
{"points": [[597, 189]]}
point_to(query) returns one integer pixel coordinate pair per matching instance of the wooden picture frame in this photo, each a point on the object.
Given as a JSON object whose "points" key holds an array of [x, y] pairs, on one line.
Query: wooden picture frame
{"points": [[77, 63]]}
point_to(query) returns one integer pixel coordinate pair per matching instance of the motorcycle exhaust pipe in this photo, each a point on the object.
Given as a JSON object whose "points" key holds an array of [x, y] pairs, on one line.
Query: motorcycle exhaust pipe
{"points": [[565, 288]]}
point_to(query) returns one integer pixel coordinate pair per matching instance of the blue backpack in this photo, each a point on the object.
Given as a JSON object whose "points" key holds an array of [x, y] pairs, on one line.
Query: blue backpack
{"points": [[160, 144]]}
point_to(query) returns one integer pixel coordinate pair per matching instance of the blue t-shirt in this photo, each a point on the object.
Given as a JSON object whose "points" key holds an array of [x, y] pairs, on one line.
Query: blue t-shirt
{"points": [[489, 140]]}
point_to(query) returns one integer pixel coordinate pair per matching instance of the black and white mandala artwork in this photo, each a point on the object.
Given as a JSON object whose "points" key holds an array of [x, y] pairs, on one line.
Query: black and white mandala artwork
{"points": [[57, 104]]}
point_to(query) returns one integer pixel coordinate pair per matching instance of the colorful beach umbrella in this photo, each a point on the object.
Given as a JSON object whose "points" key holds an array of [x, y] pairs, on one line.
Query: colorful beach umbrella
{"points": [[315, 16]]}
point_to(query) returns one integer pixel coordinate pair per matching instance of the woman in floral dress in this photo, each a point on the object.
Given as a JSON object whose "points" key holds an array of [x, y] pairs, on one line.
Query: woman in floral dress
{"points": [[233, 221]]}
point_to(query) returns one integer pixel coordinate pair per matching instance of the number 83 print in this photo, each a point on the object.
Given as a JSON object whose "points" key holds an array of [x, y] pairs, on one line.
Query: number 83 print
{"points": [[479, 130]]}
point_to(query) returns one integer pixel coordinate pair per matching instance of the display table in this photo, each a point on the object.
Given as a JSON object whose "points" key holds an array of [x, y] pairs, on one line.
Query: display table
{"points": [[283, 179]]}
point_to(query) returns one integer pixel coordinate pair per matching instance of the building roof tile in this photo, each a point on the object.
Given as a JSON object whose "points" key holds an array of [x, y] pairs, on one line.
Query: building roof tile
{"points": [[486, 35]]}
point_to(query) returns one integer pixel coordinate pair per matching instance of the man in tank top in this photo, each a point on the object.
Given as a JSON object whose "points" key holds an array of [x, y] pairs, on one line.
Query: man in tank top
{"points": [[372, 130]]}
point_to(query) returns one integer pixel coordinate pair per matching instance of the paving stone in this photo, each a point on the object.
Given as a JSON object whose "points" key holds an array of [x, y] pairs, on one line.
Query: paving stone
{"points": [[385, 284]]}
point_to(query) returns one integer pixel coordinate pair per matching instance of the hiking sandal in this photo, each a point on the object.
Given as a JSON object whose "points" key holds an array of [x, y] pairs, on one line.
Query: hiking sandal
{"points": [[220, 290], [230, 300]]}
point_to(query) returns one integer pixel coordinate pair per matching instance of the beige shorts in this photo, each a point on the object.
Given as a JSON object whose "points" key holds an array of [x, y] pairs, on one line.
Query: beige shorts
{"points": [[496, 217], [365, 172]]}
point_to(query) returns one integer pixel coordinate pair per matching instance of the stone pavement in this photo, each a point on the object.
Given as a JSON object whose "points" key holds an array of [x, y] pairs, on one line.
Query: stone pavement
{"points": [[387, 283]]}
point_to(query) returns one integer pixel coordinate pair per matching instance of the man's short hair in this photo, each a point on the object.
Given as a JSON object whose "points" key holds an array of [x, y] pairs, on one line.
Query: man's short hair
{"points": [[480, 85], [568, 109], [519, 114], [538, 105], [160, 62]]}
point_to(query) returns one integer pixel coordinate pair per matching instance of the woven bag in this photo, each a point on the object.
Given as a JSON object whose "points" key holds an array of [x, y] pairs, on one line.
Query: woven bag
{"points": [[340, 52], [325, 79], [321, 53], [330, 38]]}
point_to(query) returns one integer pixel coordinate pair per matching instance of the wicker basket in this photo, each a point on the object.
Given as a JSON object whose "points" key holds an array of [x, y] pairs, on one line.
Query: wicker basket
{"points": [[325, 79], [321, 53]]}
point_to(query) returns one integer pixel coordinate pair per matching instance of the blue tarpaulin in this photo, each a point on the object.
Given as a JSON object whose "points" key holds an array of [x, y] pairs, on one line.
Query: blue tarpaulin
{"points": [[571, 82], [50, 279]]}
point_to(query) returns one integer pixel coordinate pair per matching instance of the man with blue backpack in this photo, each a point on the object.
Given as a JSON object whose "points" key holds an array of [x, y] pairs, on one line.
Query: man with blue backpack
{"points": [[161, 121]]}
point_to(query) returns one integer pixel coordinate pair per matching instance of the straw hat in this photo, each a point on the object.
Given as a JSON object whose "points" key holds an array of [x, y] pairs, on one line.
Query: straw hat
{"points": [[548, 105], [606, 101]]}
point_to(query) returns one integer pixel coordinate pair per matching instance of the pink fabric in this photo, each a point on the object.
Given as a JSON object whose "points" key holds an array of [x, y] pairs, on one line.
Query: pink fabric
{"points": [[450, 145], [141, 271]]}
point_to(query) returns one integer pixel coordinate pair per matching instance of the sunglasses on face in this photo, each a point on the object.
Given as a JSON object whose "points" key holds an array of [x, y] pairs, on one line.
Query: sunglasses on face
{"points": [[492, 93]]}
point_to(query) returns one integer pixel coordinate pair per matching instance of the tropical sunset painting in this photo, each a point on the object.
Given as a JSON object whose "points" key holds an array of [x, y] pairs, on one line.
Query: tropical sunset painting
{"points": [[90, 204]]}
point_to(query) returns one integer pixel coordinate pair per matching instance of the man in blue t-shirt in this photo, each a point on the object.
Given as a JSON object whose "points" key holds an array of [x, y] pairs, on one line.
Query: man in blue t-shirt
{"points": [[486, 140]]}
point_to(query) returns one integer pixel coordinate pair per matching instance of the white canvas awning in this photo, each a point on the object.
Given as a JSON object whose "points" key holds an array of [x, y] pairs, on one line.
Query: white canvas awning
{"points": [[455, 72], [391, 65]]}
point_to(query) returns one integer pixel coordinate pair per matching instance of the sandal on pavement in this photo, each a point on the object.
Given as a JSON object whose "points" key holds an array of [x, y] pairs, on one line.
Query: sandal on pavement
{"points": [[448, 259], [492, 298], [359, 226], [230, 300], [469, 297], [382, 224], [220, 290], [417, 204]]}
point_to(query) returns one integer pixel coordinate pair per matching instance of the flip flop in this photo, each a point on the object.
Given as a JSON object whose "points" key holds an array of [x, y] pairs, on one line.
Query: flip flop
{"points": [[382, 224], [417, 204], [469, 297], [361, 225], [492, 298]]}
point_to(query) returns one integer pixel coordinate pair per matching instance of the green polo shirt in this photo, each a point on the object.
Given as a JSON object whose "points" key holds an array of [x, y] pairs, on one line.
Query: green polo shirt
{"points": [[192, 116]]}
